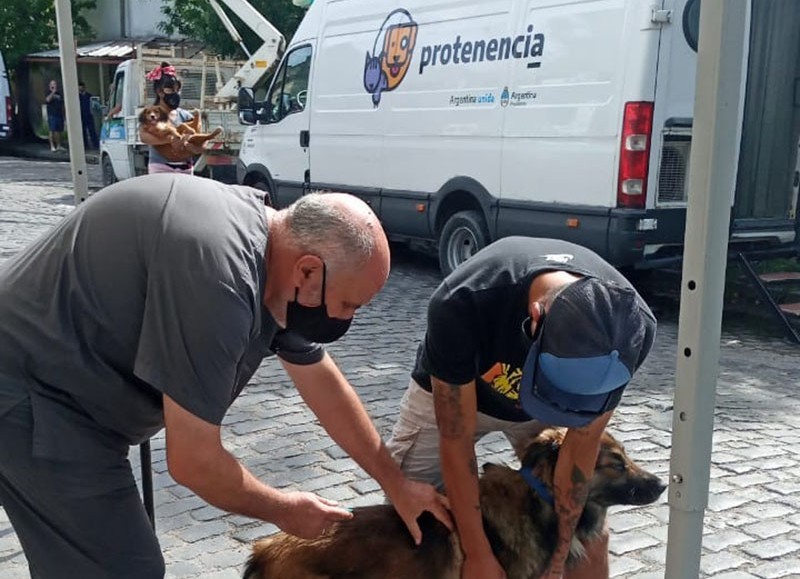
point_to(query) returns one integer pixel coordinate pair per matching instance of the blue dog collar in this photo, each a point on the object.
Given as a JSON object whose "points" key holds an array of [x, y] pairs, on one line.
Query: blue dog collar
{"points": [[536, 484]]}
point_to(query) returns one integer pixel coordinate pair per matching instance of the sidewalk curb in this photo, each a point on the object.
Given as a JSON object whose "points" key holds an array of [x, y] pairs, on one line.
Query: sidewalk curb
{"points": [[40, 150]]}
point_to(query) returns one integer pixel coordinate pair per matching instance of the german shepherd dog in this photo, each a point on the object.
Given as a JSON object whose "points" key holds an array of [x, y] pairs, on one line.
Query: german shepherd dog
{"points": [[520, 524]]}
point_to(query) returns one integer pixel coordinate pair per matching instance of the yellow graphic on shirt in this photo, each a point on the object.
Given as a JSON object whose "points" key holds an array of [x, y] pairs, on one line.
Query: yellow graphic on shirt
{"points": [[504, 379]]}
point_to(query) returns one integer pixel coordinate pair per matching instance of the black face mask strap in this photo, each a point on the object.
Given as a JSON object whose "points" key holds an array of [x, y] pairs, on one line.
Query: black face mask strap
{"points": [[324, 275], [324, 270]]}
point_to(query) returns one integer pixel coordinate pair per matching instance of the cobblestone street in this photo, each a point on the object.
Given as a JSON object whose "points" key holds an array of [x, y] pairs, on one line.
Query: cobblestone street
{"points": [[752, 525]]}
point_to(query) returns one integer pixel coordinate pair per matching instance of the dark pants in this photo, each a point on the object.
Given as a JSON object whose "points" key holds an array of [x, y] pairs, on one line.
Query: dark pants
{"points": [[90, 139], [75, 520]]}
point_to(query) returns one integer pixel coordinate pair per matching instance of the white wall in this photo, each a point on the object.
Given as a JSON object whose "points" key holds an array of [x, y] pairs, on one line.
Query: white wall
{"points": [[141, 18]]}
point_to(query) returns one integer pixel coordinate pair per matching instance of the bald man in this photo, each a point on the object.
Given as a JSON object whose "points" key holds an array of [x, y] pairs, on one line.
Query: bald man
{"points": [[151, 305]]}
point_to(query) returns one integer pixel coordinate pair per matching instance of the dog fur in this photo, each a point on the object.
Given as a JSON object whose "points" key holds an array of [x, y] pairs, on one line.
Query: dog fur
{"points": [[154, 120], [520, 525]]}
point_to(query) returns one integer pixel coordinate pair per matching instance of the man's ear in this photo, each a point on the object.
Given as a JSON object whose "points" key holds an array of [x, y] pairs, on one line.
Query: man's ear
{"points": [[305, 269], [536, 311]]}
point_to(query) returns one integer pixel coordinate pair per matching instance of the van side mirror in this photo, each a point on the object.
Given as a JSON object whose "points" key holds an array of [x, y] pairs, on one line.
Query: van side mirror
{"points": [[246, 103]]}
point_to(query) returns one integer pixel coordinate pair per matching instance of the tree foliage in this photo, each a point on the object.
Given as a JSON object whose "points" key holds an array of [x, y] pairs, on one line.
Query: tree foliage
{"points": [[30, 25], [197, 20]]}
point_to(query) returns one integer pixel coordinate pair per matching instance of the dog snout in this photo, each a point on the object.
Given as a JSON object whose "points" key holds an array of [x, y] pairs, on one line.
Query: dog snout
{"points": [[647, 491]]}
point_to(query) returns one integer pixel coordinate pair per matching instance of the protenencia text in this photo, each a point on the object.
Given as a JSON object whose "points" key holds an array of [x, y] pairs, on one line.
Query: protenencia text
{"points": [[523, 46]]}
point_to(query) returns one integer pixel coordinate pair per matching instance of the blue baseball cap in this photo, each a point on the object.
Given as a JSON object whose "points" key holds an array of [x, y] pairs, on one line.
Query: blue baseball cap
{"points": [[589, 346]]}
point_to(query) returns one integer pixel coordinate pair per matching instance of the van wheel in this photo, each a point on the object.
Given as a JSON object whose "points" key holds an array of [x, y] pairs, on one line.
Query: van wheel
{"points": [[463, 235], [261, 184], [109, 178]]}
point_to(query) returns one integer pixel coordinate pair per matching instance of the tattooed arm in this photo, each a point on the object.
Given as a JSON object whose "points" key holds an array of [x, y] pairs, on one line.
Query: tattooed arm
{"points": [[574, 469], [456, 416]]}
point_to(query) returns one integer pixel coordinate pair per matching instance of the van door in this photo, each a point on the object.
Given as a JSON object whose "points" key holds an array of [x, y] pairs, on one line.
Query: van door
{"points": [[563, 108], [285, 140], [673, 114], [766, 195], [116, 154]]}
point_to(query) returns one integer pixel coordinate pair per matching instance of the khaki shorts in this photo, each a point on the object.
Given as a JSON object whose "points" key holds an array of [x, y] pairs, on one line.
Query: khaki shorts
{"points": [[414, 443]]}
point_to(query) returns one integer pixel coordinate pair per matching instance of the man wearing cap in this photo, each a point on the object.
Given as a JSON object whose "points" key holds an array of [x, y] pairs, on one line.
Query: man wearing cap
{"points": [[528, 333]]}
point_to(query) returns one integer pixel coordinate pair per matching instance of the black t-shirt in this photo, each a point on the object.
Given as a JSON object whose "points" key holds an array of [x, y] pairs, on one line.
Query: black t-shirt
{"points": [[55, 106], [85, 99], [475, 318]]}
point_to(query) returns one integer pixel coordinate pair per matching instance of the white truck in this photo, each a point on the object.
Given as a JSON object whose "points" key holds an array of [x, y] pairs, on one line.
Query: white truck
{"points": [[461, 123], [123, 155], [209, 84]]}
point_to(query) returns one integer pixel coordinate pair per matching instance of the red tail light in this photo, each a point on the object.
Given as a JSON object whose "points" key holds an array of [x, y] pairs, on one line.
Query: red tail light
{"points": [[634, 154]]}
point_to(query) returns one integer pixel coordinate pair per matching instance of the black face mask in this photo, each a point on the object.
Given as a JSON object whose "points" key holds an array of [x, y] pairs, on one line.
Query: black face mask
{"points": [[172, 100], [313, 322]]}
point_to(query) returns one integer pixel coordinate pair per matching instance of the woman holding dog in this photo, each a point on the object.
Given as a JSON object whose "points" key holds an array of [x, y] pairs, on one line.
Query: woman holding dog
{"points": [[527, 333], [169, 154]]}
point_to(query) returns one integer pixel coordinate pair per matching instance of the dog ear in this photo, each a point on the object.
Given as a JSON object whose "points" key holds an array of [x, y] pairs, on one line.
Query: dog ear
{"points": [[543, 448], [143, 117]]}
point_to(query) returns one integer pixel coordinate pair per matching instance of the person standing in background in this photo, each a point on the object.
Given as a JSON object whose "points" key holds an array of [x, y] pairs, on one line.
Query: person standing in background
{"points": [[55, 115], [90, 140]]}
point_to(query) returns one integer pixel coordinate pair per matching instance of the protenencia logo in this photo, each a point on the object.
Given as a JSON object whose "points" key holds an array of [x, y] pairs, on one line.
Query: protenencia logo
{"points": [[385, 70], [524, 46], [393, 49]]}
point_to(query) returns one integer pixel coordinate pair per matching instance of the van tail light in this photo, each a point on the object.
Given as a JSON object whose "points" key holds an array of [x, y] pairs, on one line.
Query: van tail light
{"points": [[634, 154], [9, 110]]}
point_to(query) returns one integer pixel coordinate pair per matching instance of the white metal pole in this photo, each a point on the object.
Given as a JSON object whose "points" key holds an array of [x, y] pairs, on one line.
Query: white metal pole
{"points": [[69, 81], [720, 65]]}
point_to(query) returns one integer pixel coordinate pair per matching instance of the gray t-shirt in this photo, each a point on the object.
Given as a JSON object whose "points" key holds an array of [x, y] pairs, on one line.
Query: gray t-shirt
{"points": [[154, 285]]}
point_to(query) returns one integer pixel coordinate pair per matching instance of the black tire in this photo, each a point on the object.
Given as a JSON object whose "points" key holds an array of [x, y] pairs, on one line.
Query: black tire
{"points": [[261, 184], [109, 178], [463, 235]]}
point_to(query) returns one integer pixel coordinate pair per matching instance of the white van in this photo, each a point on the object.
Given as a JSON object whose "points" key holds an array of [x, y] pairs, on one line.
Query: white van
{"points": [[464, 122], [6, 107]]}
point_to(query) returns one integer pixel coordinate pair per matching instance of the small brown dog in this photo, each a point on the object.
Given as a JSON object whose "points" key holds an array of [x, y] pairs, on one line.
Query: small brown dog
{"points": [[520, 523], [154, 120]]}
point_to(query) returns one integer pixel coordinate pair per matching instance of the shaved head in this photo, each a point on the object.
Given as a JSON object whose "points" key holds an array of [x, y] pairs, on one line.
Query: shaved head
{"points": [[325, 236], [339, 228]]}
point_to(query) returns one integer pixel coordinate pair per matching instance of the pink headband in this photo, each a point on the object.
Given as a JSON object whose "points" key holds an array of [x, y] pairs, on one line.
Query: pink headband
{"points": [[156, 73]]}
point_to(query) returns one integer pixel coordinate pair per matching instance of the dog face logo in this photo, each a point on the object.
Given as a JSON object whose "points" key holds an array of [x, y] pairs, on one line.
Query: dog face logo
{"points": [[385, 70]]}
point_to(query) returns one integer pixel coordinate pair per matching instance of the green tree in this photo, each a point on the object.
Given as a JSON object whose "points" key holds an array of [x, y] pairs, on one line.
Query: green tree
{"points": [[30, 25], [196, 19]]}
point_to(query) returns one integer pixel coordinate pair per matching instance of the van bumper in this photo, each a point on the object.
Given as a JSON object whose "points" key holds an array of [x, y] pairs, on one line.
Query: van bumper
{"points": [[5, 131], [645, 238]]}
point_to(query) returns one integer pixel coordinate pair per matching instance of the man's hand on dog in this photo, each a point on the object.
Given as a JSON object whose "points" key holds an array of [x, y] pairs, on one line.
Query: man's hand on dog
{"points": [[308, 516], [412, 499]]}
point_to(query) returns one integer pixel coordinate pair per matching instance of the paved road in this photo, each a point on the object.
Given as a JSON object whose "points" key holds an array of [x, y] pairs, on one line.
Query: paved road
{"points": [[753, 517]]}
